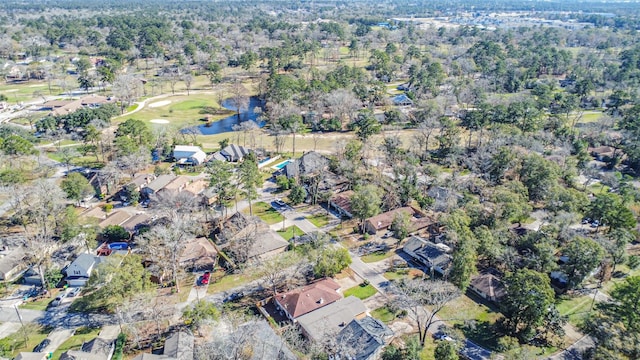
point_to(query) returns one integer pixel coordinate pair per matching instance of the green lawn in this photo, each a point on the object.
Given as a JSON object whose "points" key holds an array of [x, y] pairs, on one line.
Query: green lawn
{"points": [[463, 309], [223, 282], [75, 342], [319, 220], [20, 92], [576, 309], [38, 304], [376, 256], [383, 314], [179, 110], [266, 212], [35, 335], [403, 273], [361, 291], [290, 232]]}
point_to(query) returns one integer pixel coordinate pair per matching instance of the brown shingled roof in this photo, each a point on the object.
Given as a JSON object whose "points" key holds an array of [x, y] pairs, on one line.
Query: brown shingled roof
{"points": [[417, 220], [116, 218], [343, 200], [308, 298]]}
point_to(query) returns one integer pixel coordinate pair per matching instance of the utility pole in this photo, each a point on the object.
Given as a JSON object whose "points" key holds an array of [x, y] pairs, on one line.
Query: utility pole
{"points": [[24, 331]]}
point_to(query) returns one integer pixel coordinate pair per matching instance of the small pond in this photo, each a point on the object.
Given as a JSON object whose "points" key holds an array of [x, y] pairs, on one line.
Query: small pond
{"points": [[226, 124]]}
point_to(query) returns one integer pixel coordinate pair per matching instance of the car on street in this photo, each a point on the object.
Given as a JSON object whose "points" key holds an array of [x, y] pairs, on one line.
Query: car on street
{"points": [[387, 235], [74, 292], [443, 336], [43, 344], [279, 203], [57, 301], [204, 280], [233, 297]]}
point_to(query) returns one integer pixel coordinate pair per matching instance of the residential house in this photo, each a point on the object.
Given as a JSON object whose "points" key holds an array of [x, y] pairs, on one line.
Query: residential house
{"points": [[79, 271], [96, 349], [365, 338], [177, 184], [199, 254], [116, 218], [142, 180], [256, 340], [309, 164], [342, 203], [434, 257], [196, 187], [402, 100], [306, 299], [327, 321], [64, 107], [178, 346], [189, 155], [488, 285], [231, 153], [264, 242], [31, 277], [603, 153], [158, 184], [382, 222], [12, 264], [136, 222]]}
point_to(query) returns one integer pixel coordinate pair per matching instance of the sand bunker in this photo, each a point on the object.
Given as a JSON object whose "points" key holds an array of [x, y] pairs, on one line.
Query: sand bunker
{"points": [[160, 121], [160, 103]]}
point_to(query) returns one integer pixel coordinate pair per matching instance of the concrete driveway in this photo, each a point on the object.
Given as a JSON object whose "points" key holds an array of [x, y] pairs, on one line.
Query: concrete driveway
{"points": [[8, 328], [57, 337]]}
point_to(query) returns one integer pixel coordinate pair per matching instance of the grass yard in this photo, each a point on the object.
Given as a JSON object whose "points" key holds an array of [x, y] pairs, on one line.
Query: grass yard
{"points": [[319, 220], [383, 314], [38, 304], [376, 256], [289, 232], [220, 281], [266, 212], [361, 291], [35, 335], [463, 309], [576, 309], [75, 342], [403, 273]]}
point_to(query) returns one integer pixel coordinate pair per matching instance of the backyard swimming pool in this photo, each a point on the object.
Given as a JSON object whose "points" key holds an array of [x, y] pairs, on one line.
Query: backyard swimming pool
{"points": [[280, 166]]}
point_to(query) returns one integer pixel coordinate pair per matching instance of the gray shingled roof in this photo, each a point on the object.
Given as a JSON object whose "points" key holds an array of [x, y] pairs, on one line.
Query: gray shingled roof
{"points": [[179, 346], [234, 152], [363, 337]]}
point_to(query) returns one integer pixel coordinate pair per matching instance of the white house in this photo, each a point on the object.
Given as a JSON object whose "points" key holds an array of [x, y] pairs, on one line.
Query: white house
{"points": [[79, 271], [192, 155]]}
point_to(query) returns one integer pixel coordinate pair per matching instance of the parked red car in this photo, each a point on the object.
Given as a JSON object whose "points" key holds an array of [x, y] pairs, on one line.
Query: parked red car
{"points": [[205, 278]]}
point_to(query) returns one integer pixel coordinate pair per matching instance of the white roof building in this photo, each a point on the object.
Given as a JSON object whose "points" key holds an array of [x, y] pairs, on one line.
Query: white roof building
{"points": [[185, 154]]}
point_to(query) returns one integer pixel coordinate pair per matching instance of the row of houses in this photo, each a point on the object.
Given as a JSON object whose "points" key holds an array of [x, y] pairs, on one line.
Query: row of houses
{"points": [[194, 155]]}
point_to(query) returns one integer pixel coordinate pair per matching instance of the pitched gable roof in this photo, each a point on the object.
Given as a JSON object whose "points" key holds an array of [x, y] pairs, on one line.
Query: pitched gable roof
{"points": [[308, 164], [368, 333], [427, 253], [234, 152], [417, 220], [179, 346], [308, 298], [329, 320]]}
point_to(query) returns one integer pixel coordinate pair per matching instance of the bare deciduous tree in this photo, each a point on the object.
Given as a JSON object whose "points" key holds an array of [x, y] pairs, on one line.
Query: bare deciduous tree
{"points": [[126, 87], [165, 243], [414, 295]]}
